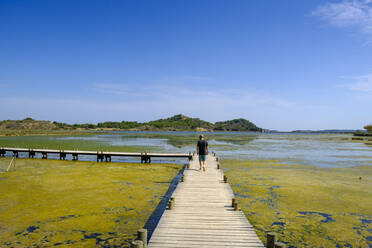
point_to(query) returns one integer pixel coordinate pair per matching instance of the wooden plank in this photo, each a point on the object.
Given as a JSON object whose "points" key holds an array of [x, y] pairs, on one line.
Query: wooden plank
{"points": [[203, 215]]}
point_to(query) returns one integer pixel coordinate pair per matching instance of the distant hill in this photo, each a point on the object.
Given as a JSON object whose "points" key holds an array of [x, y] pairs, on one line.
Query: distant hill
{"points": [[26, 124], [181, 122], [175, 123], [339, 131], [236, 125]]}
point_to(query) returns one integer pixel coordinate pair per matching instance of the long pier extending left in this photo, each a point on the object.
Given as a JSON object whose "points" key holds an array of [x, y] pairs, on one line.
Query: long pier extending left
{"points": [[101, 155]]}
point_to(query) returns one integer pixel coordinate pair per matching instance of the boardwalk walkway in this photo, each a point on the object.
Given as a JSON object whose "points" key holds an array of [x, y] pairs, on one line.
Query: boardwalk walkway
{"points": [[203, 216]]}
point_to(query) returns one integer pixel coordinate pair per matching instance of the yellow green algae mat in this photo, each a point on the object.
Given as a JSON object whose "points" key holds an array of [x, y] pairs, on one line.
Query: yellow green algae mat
{"points": [[46, 203], [307, 206]]}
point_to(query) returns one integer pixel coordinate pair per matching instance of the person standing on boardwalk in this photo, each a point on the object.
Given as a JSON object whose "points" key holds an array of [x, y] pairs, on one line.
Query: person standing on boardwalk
{"points": [[202, 151]]}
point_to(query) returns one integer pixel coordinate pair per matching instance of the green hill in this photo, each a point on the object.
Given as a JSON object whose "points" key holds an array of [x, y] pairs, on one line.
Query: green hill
{"points": [[180, 122], [175, 123], [236, 125], [26, 124]]}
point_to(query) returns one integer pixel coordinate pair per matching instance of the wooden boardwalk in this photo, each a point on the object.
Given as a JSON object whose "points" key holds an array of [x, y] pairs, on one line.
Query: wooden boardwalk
{"points": [[203, 215], [101, 155]]}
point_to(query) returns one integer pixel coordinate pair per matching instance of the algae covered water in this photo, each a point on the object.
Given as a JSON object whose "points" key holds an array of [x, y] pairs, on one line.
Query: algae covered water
{"points": [[45, 203]]}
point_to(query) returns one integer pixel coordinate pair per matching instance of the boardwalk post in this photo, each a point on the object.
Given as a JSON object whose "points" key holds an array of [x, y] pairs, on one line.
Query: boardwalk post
{"points": [[2, 152], [45, 155], [62, 155], [271, 239], [279, 245], [75, 156], [31, 154], [183, 178], [218, 166], [15, 154], [225, 179], [142, 235], [100, 156], [233, 202], [107, 158], [136, 244], [236, 206], [171, 203]]}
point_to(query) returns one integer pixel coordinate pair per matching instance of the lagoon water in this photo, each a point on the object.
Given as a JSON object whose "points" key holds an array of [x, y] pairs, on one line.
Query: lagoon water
{"points": [[324, 150]]}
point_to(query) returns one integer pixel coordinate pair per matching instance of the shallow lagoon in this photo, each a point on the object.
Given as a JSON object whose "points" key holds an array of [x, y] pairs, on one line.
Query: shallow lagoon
{"points": [[323, 150], [306, 187]]}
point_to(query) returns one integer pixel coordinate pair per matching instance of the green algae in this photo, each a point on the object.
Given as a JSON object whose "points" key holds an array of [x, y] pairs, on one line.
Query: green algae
{"points": [[78, 204], [307, 206]]}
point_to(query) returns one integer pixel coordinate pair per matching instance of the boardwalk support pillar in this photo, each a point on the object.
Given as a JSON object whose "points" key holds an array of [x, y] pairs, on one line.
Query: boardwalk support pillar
{"points": [[233, 202], [279, 245], [31, 154], [15, 154], [271, 239], [108, 158], [62, 155], [171, 203], [136, 244], [183, 178], [2, 152], [75, 156], [142, 235], [145, 158], [99, 156], [236, 206], [225, 179], [218, 166], [45, 155]]}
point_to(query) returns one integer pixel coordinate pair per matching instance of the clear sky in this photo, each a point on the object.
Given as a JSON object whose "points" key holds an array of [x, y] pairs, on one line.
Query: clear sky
{"points": [[283, 65]]}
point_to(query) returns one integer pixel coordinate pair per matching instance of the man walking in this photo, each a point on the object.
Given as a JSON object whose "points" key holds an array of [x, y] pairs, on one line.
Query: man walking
{"points": [[202, 151]]}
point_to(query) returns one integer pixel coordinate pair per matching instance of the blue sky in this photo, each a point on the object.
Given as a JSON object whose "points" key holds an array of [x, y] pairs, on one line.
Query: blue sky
{"points": [[283, 65]]}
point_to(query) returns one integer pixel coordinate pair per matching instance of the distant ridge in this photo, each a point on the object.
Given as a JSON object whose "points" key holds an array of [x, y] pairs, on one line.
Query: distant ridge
{"points": [[178, 122]]}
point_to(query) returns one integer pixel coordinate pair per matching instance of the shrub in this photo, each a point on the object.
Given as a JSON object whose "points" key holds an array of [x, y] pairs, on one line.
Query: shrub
{"points": [[368, 128]]}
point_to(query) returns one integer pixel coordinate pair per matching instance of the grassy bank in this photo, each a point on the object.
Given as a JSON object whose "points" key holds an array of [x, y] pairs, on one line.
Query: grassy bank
{"points": [[307, 206], [78, 204]]}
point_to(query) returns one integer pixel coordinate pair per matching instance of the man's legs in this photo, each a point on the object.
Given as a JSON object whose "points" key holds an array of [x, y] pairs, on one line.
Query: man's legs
{"points": [[204, 162]]}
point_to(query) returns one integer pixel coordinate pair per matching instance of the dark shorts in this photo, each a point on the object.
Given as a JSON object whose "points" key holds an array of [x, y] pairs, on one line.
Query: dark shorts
{"points": [[202, 158]]}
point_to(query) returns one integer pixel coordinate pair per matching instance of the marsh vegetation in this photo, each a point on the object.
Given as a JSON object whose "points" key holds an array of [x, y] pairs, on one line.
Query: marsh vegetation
{"points": [[47, 203], [307, 206]]}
